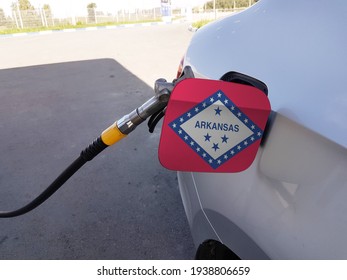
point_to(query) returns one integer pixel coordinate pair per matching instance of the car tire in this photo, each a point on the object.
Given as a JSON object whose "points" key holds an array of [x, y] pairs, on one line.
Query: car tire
{"points": [[214, 250]]}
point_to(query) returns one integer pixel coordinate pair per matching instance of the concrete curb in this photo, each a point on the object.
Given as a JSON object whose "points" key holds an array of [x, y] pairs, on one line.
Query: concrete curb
{"points": [[69, 30]]}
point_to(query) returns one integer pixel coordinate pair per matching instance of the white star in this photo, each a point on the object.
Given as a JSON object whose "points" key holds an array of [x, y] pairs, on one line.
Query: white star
{"points": [[204, 155], [219, 161], [204, 104], [259, 133], [211, 99], [189, 115], [191, 143], [196, 109], [239, 147], [226, 101], [232, 108], [181, 119], [186, 137], [225, 157], [232, 152], [239, 114], [210, 160], [252, 139], [245, 143], [253, 126], [246, 120], [198, 149], [174, 125], [180, 131], [219, 94]]}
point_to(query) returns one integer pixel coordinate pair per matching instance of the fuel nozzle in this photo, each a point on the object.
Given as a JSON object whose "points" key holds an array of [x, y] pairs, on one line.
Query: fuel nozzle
{"points": [[129, 122], [153, 108]]}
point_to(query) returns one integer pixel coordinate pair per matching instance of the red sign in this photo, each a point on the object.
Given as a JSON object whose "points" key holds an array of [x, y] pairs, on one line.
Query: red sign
{"points": [[212, 126]]}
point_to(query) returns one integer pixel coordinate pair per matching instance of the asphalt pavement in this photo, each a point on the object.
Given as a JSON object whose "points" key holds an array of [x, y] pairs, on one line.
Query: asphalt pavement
{"points": [[58, 92]]}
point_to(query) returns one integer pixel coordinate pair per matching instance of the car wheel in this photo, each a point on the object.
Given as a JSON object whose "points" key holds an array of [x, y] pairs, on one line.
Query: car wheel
{"points": [[214, 250]]}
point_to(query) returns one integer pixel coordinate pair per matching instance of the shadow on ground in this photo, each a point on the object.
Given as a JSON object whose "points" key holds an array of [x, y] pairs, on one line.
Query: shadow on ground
{"points": [[121, 205]]}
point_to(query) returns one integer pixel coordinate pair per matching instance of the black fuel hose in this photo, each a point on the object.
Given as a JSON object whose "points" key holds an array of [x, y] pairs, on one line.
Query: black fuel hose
{"points": [[114, 133], [86, 155]]}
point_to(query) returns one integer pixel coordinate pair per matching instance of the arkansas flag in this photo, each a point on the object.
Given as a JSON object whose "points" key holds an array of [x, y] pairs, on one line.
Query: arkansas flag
{"points": [[212, 126]]}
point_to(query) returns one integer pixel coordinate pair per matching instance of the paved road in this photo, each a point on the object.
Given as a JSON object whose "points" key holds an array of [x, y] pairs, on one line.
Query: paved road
{"points": [[58, 92]]}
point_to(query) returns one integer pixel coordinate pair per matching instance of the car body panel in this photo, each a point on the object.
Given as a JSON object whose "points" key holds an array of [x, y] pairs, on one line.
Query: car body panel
{"points": [[297, 48], [290, 204]]}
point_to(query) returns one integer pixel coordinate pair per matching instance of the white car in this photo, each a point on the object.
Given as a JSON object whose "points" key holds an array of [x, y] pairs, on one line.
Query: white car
{"points": [[291, 203]]}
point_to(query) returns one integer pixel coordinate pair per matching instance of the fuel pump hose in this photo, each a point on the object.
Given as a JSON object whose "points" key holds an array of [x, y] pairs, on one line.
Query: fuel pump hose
{"points": [[154, 106], [108, 137]]}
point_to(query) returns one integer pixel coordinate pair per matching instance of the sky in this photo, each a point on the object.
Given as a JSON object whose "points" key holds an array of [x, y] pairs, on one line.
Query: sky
{"points": [[78, 7]]}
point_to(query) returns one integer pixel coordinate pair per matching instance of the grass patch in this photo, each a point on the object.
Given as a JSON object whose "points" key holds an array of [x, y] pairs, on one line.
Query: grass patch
{"points": [[7, 31], [201, 23]]}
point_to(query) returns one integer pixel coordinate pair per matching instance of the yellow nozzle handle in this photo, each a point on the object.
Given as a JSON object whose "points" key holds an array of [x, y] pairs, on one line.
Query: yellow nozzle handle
{"points": [[112, 135]]}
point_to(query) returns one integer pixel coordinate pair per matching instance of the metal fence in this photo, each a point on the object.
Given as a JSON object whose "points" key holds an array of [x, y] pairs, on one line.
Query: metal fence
{"points": [[44, 18]]}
